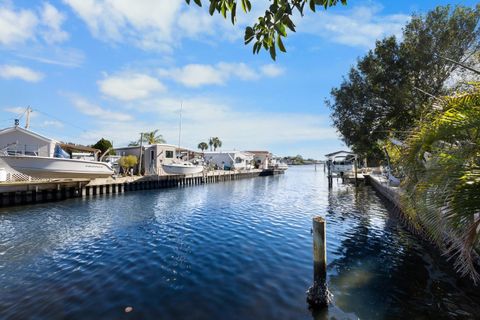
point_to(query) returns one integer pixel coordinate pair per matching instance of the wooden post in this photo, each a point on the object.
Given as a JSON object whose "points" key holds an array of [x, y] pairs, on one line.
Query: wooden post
{"points": [[318, 294], [355, 168]]}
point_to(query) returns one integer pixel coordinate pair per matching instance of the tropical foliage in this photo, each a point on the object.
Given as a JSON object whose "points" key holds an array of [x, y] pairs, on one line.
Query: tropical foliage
{"points": [[215, 142], [151, 137], [400, 98], [268, 31], [127, 162], [391, 87], [442, 177], [203, 146], [103, 145]]}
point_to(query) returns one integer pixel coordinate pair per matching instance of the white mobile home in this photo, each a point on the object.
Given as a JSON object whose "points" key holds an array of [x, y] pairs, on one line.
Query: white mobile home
{"points": [[229, 160], [262, 159], [16, 140], [153, 156]]}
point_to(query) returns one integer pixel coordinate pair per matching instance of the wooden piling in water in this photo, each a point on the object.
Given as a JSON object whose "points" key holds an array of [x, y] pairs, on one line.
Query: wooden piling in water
{"points": [[318, 295]]}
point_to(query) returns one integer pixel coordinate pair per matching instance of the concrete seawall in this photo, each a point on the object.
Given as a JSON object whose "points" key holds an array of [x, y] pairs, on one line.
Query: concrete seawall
{"points": [[13, 194], [381, 185]]}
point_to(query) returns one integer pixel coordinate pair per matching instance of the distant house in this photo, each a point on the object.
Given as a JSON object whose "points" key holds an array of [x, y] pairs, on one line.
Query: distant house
{"points": [[16, 140], [262, 158], [153, 156], [229, 160]]}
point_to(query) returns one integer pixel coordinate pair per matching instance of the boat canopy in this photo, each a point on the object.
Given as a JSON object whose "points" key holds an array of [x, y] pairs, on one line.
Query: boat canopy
{"points": [[60, 153]]}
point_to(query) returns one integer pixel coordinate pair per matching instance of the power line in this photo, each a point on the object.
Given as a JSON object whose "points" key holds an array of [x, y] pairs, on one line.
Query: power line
{"points": [[58, 119]]}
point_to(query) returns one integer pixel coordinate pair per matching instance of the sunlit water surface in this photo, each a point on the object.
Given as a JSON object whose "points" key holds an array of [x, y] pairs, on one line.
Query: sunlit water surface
{"points": [[233, 250]]}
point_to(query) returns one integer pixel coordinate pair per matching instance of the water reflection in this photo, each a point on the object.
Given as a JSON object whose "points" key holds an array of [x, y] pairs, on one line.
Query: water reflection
{"points": [[234, 250], [380, 271]]}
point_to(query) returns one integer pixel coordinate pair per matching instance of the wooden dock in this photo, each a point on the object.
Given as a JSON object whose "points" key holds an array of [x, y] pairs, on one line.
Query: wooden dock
{"points": [[21, 193]]}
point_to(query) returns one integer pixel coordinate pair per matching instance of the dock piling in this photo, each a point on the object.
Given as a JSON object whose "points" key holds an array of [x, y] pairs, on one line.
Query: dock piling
{"points": [[318, 295]]}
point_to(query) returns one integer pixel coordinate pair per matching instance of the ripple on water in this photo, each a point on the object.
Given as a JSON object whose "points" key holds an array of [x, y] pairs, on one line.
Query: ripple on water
{"points": [[233, 250]]}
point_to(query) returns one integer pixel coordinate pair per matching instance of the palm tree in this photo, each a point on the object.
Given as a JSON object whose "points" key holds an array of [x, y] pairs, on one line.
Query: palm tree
{"points": [[210, 142], [148, 138], [152, 137], [203, 146], [441, 163], [216, 142]]}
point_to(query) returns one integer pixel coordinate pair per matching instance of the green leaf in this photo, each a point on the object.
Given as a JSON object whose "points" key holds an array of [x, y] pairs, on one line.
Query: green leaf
{"points": [[312, 5], [234, 12], [280, 44], [255, 47], [280, 27], [223, 10], [289, 24], [273, 54], [244, 6], [249, 35], [211, 9], [198, 2], [249, 5]]}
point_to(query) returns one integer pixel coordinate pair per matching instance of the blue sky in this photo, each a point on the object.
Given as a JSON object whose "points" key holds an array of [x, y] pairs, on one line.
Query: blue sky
{"points": [[114, 68]]}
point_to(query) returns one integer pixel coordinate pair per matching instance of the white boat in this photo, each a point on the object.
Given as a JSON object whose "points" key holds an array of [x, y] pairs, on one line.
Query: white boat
{"points": [[281, 166], [182, 168], [46, 167]]}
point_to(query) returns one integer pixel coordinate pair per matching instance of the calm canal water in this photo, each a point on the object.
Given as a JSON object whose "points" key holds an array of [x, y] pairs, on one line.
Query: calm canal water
{"points": [[233, 250]]}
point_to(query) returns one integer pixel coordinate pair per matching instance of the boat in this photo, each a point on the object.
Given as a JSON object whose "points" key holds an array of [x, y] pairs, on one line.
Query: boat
{"points": [[282, 166], [182, 168], [38, 156], [46, 167], [278, 164], [340, 162]]}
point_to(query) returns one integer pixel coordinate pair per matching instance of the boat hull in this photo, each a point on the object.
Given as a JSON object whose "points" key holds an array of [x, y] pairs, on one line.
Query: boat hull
{"points": [[181, 169], [44, 167]]}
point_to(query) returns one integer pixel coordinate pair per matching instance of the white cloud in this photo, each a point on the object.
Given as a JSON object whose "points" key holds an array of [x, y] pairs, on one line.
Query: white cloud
{"points": [[360, 26], [130, 86], [17, 27], [197, 75], [53, 20], [98, 112], [51, 123], [67, 57], [271, 70], [144, 22], [204, 117], [19, 72], [17, 111], [157, 24]]}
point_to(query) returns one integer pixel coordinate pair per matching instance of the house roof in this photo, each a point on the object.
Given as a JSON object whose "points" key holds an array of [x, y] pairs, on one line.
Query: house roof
{"points": [[338, 152], [258, 152], [229, 152], [31, 133], [77, 147], [147, 146]]}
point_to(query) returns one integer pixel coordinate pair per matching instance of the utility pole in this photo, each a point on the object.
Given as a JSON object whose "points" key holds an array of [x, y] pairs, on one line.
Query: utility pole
{"points": [[141, 151], [27, 121]]}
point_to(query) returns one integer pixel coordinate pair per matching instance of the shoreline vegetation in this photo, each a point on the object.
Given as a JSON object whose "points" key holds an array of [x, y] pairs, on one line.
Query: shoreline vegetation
{"points": [[415, 103]]}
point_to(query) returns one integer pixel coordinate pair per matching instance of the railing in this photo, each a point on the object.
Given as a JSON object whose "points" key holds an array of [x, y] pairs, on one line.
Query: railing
{"points": [[15, 149]]}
